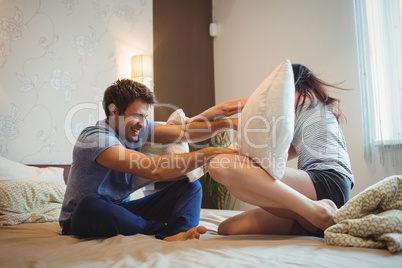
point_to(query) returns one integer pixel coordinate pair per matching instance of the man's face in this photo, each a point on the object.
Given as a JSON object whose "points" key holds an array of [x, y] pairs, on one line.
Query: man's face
{"points": [[132, 120]]}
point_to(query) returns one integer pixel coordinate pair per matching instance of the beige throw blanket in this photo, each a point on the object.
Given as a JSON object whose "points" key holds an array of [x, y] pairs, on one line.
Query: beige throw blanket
{"points": [[371, 219]]}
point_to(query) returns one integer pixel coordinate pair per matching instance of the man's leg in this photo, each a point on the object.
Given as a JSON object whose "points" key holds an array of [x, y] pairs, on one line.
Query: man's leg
{"points": [[95, 215], [178, 205]]}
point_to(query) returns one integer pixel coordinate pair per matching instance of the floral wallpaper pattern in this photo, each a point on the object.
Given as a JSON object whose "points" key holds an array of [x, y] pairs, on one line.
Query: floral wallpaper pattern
{"points": [[56, 60]]}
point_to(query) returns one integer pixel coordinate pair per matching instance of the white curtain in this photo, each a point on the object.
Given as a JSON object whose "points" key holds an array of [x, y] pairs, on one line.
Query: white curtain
{"points": [[379, 40]]}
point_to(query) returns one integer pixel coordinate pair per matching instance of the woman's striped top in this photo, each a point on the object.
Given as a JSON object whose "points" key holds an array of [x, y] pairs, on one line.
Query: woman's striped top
{"points": [[319, 142]]}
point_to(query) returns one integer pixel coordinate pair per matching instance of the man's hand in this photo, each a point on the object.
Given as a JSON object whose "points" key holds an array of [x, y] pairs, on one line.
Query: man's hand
{"points": [[221, 150], [218, 150], [235, 122]]}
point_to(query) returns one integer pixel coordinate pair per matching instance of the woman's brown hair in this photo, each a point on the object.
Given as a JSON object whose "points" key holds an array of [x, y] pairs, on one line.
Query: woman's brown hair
{"points": [[309, 85]]}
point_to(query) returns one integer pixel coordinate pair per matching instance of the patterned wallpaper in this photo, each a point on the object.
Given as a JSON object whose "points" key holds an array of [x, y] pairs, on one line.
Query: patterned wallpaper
{"points": [[57, 58]]}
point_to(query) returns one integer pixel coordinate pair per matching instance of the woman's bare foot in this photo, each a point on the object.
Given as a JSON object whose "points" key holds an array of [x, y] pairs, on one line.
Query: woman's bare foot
{"points": [[322, 219], [193, 233], [326, 211]]}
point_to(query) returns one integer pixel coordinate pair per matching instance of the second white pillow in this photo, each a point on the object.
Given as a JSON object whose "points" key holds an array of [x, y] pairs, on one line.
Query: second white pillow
{"points": [[179, 118], [152, 149]]}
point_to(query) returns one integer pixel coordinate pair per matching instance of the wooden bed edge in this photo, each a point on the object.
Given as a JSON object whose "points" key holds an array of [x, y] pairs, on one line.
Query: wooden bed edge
{"points": [[65, 167]]}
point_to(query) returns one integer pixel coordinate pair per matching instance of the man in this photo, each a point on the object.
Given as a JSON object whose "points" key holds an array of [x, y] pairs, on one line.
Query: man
{"points": [[108, 166]]}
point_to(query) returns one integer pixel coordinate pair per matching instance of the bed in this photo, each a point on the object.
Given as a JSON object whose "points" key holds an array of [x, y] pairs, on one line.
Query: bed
{"points": [[40, 244]]}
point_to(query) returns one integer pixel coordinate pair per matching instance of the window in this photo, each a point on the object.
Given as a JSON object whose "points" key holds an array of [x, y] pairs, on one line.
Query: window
{"points": [[379, 39]]}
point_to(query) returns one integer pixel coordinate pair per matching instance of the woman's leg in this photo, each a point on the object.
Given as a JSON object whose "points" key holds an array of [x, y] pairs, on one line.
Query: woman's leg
{"points": [[255, 221], [291, 198]]}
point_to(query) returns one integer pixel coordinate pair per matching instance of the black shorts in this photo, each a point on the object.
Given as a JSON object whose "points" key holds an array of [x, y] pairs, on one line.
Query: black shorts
{"points": [[330, 184]]}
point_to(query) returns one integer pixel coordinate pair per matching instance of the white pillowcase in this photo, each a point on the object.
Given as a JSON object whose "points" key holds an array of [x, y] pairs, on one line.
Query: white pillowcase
{"points": [[267, 121], [153, 149], [13, 171]]}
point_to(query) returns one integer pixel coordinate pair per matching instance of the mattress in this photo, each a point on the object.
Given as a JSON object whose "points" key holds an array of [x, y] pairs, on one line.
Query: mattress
{"points": [[42, 245]]}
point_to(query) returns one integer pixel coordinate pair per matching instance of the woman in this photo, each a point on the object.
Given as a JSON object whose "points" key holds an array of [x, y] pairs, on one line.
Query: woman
{"points": [[305, 199]]}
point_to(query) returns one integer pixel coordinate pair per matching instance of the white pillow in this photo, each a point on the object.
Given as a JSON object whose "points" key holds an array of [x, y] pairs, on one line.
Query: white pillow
{"points": [[137, 194], [153, 149], [13, 171], [267, 121], [179, 118]]}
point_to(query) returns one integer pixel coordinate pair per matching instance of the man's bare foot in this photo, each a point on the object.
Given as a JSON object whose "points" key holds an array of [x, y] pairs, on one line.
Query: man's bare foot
{"points": [[193, 233]]}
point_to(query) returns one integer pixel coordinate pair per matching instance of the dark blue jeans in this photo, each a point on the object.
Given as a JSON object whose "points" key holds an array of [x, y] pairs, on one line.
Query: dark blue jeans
{"points": [[173, 209]]}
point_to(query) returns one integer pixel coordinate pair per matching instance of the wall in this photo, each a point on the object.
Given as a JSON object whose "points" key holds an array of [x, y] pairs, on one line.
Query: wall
{"points": [[254, 36], [57, 58], [183, 56]]}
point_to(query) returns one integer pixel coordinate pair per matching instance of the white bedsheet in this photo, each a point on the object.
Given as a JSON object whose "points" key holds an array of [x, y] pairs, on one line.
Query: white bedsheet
{"points": [[41, 245]]}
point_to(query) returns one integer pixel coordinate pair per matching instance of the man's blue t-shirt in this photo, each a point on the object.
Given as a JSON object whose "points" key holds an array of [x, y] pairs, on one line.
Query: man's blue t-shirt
{"points": [[86, 176]]}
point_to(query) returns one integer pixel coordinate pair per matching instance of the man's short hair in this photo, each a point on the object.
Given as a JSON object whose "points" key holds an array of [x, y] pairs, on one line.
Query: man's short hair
{"points": [[123, 92]]}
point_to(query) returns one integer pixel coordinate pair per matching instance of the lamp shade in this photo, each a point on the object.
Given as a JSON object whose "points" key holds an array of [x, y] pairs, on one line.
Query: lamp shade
{"points": [[141, 66]]}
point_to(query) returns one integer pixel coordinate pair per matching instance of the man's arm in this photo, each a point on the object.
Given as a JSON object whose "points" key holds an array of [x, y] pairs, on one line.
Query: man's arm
{"points": [[193, 132], [202, 126], [162, 168], [220, 110]]}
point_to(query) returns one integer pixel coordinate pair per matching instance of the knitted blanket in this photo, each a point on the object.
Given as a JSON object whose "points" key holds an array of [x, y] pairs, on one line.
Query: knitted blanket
{"points": [[371, 219]]}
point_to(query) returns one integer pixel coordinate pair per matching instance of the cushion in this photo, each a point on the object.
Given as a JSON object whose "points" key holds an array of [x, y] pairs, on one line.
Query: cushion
{"points": [[29, 194], [30, 201], [267, 121], [13, 171], [153, 149]]}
